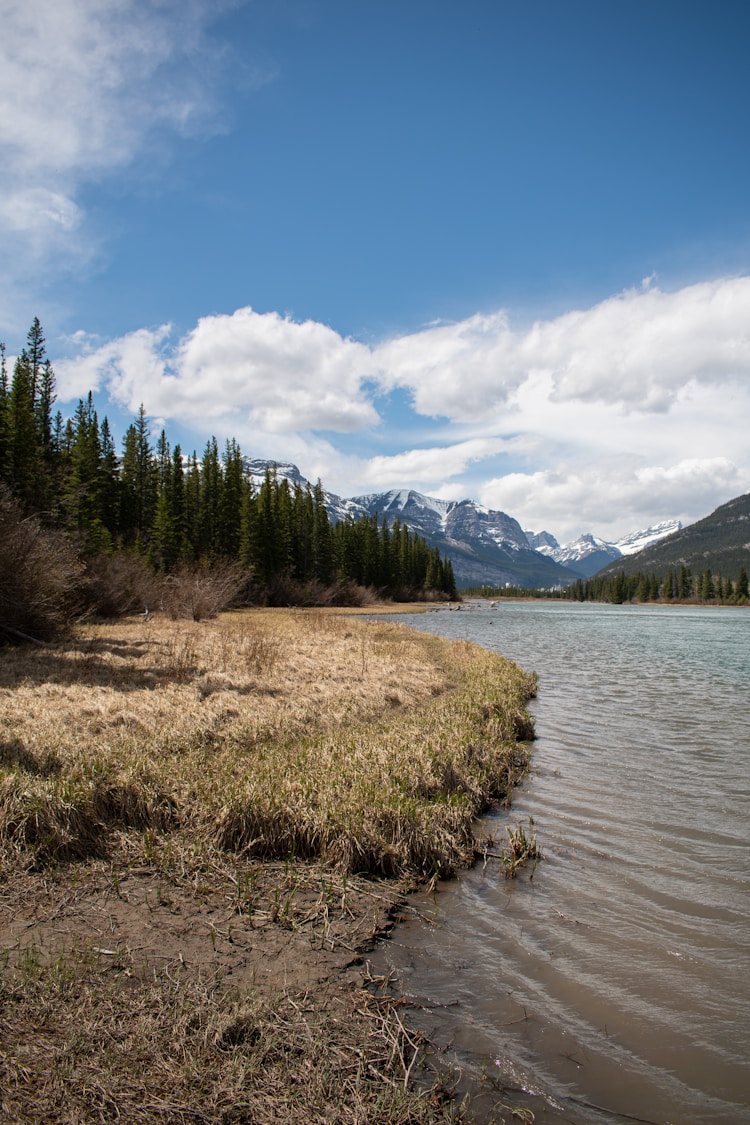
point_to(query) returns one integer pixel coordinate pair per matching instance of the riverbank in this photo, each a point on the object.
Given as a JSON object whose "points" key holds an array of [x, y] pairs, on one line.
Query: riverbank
{"points": [[203, 827]]}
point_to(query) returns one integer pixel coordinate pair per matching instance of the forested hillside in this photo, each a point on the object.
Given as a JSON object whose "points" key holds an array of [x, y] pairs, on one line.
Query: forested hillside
{"points": [[152, 503], [719, 542]]}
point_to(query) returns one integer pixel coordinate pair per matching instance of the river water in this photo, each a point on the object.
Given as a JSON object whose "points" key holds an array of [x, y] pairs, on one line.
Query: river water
{"points": [[615, 984]]}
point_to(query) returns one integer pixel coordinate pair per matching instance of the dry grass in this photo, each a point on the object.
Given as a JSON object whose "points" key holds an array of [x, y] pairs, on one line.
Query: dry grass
{"points": [[278, 734], [110, 1047], [222, 794]]}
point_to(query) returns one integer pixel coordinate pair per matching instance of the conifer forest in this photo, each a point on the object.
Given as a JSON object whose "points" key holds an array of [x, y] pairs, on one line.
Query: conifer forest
{"points": [[151, 510]]}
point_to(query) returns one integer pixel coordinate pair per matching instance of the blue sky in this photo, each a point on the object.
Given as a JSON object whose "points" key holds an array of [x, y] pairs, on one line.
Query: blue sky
{"points": [[489, 249]]}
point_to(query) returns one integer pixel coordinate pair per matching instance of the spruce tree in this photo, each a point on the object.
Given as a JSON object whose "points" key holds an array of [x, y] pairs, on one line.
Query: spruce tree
{"points": [[323, 551], [211, 488], [4, 415], [139, 481], [230, 501], [25, 468], [36, 351]]}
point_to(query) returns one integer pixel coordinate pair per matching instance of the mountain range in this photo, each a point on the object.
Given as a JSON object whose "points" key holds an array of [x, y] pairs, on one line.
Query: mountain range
{"points": [[587, 554], [720, 542], [486, 547]]}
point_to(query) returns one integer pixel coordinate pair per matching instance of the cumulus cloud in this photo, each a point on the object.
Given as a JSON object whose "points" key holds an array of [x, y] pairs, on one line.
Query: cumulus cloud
{"points": [[457, 371], [256, 371], [634, 409], [615, 498], [634, 351]]}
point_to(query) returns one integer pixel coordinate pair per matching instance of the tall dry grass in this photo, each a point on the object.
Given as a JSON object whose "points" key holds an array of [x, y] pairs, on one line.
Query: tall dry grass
{"points": [[275, 734]]}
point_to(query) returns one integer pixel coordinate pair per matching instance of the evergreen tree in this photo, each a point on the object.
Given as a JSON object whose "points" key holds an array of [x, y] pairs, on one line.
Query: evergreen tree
{"points": [[191, 546], [230, 501], [109, 481], [139, 481], [211, 488], [36, 352], [83, 499], [707, 590], [323, 548], [684, 584], [25, 469], [4, 416]]}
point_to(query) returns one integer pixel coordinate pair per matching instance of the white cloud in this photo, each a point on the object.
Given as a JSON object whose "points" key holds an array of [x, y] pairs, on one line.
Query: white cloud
{"points": [[615, 498], [426, 466], [583, 451], [251, 371], [635, 351], [84, 84], [458, 371]]}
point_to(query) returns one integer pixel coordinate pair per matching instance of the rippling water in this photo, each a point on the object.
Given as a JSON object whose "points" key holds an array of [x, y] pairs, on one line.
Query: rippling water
{"points": [[616, 984]]}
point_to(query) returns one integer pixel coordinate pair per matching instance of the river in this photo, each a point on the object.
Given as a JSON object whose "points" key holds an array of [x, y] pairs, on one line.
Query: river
{"points": [[615, 984]]}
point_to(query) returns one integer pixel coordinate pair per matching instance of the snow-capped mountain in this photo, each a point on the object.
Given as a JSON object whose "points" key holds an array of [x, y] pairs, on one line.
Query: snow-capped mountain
{"points": [[456, 519], [588, 554], [639, 540], [338, 508], [486, 547]]}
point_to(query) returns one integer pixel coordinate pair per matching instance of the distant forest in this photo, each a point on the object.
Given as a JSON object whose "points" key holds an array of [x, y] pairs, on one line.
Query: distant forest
{"points": [[152, 503], [679, 585]]}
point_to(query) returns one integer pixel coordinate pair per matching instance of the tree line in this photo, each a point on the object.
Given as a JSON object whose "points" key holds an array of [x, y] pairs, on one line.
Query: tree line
{"points": [[171, 509], [679, 585]]}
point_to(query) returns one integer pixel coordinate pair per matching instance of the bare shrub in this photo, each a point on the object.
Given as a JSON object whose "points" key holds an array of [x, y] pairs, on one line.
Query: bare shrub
{"points": [[285, 590], [200, 590], [121, 584], [40, 576]]}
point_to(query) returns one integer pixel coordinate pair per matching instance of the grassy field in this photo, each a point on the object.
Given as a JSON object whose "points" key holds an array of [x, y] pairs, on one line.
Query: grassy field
{"points": [[202, 827]]}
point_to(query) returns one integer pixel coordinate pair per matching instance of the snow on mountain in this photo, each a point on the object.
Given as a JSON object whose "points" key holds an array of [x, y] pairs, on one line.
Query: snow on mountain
{"points": [[257, 469], [542, 541], [455, 519], [338, 508], [409, 506], [486, 547], [588, 554], [639, 540]]}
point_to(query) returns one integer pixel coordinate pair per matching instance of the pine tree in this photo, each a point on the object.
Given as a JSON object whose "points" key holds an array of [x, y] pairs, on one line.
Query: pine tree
{"points": [[139, 481], [685, 583], [191, 544], [230, 501], [323, 550], [707, 590], [211, 487], [109, 481], [36, 352], [83, 498], [24, 469], [4, 415]]}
